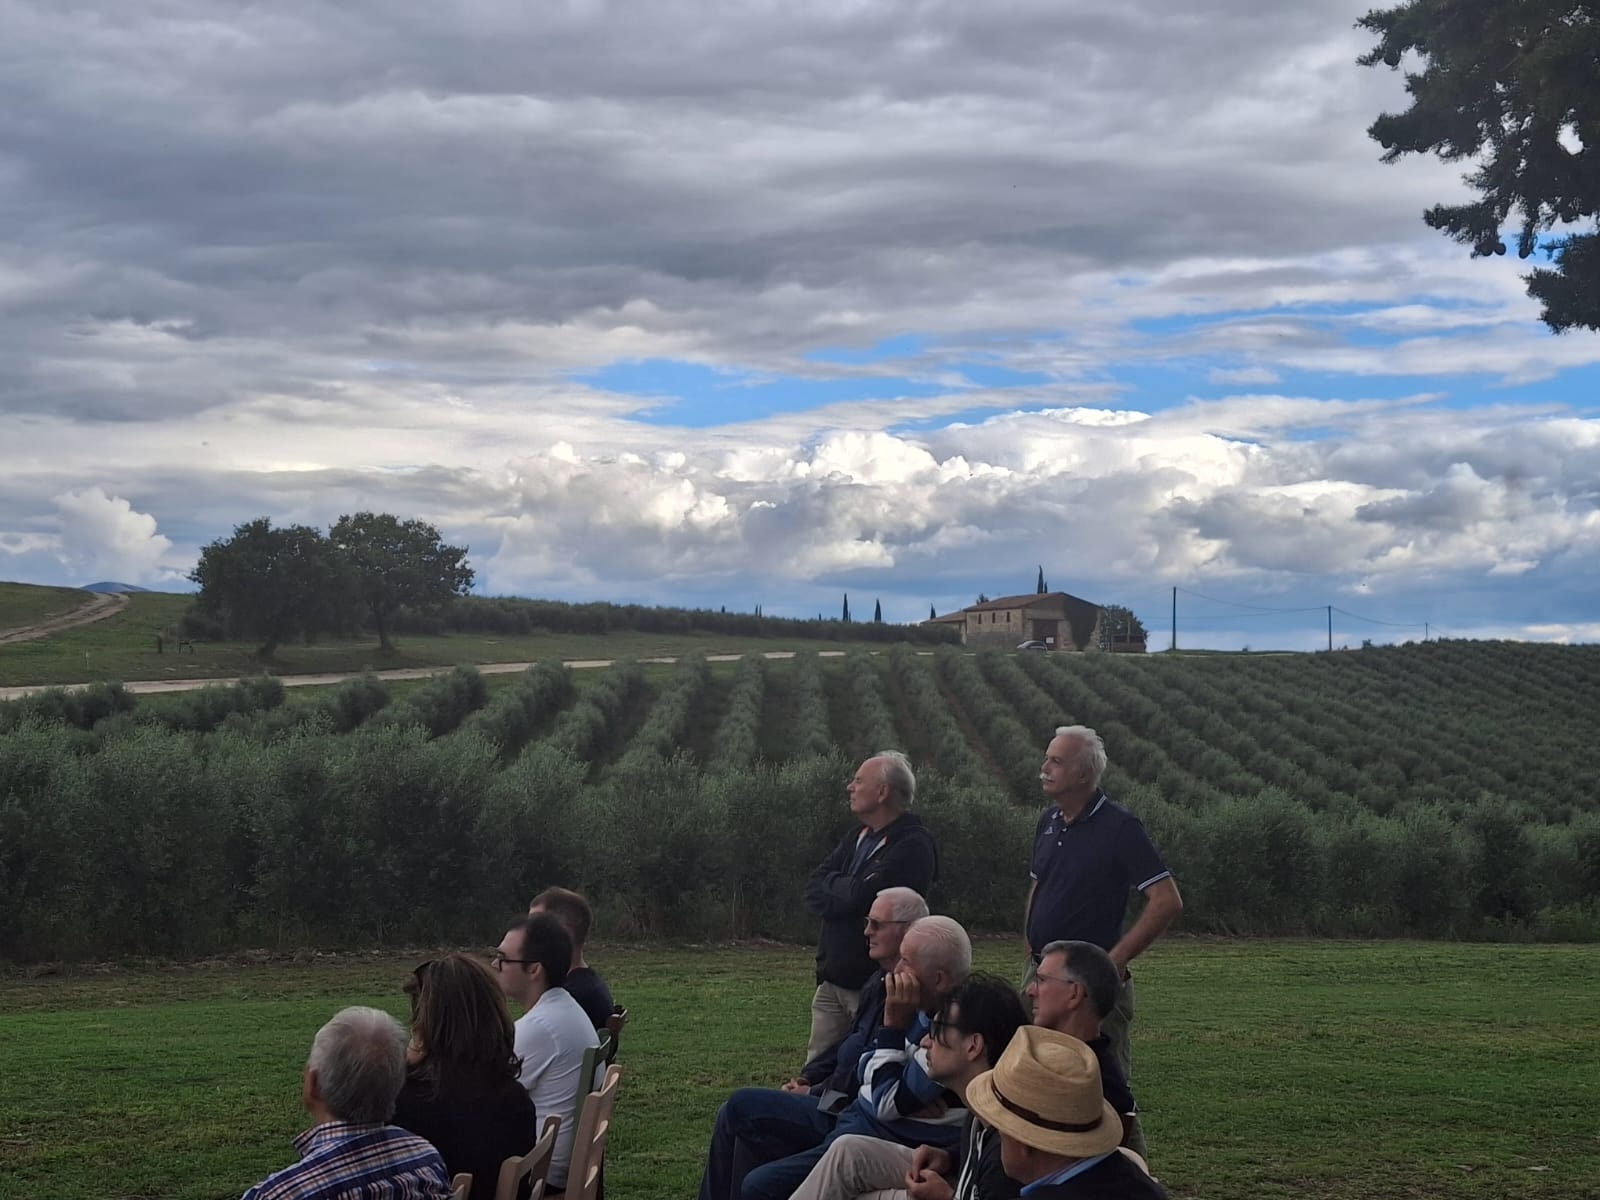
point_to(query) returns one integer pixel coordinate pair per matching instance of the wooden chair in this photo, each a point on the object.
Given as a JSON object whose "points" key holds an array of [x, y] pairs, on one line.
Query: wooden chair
{"points": [[614, 1024], [532, 1166], [589, 1146], [595, 1060], [461, 1185]]}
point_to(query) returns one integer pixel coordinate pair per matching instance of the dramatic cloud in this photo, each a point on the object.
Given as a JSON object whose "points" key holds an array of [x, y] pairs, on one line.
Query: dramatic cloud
{"points": [[724, 303]]}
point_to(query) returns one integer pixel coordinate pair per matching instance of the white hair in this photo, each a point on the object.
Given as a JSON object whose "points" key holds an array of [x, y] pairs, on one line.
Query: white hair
{"points": [[944, 946], [1093, 751], [905, 903], [898, 777], [360, 1061]]}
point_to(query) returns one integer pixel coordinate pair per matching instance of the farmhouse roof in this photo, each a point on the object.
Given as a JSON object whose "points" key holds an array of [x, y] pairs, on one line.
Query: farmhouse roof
{"points": [[1026, 600]]}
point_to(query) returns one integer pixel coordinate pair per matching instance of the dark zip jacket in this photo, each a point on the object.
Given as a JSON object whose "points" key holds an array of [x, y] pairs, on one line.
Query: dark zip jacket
{"points": [[906, 857]]}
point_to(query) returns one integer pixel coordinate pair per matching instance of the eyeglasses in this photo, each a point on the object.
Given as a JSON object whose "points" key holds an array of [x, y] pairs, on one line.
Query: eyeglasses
{"points": [[498, 959], [873, 924], [938, 1025], [1057, 978]]}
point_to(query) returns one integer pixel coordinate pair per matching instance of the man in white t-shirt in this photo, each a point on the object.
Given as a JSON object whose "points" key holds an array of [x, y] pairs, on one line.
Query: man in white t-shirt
{"points": [[553, 1031]]}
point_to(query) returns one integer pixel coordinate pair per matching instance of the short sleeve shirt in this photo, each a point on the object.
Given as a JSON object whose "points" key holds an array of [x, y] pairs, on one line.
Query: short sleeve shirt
{"points": [[1083, 871]]}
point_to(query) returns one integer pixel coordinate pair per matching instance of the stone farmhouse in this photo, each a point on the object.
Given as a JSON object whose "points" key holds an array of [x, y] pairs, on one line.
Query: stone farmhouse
{"points": [[1058, 619]]}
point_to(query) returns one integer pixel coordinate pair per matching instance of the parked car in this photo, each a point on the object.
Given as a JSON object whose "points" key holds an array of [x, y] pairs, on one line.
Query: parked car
{"points": [[1032, 645]]}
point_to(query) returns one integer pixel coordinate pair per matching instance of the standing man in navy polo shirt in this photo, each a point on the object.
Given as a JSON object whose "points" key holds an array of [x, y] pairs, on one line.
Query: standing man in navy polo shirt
{"points": [[1088, 855]]}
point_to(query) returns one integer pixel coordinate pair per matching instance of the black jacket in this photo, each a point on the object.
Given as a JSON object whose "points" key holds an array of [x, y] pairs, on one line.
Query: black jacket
{"points": [[835, 1068], [906, 857]]}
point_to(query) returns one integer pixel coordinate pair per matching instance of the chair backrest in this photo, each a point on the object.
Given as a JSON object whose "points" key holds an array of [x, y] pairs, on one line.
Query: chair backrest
{"points": [[532, 1166], [589, 1147], [461, 1185], [595, 1061], [614, 1024]]}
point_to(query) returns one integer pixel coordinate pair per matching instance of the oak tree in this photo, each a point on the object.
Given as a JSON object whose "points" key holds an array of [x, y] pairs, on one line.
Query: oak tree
{"points": [[399, 564]]}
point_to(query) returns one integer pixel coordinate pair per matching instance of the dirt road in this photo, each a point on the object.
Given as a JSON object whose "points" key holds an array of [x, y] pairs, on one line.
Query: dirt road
{"points": [[97, 608], [145, 687]]}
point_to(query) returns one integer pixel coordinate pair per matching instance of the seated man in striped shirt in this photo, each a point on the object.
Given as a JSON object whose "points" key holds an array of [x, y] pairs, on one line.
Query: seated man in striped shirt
{"points": [[897, 1098], [351, 1080]]}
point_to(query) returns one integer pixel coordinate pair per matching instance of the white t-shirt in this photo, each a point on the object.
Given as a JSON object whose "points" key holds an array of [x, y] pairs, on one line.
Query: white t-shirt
{"points": [[551, 1039]]}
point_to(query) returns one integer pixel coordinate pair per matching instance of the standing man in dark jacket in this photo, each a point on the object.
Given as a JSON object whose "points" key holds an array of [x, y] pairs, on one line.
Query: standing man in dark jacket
{"points": [[890, 848]]}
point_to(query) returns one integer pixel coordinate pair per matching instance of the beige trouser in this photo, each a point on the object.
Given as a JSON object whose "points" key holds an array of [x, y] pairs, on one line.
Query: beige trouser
{"points": [[833, 1011], [857, 1165]]}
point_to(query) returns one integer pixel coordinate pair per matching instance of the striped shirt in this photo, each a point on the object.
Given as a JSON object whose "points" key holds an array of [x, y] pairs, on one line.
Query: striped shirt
{"points": [[340, 1160]]}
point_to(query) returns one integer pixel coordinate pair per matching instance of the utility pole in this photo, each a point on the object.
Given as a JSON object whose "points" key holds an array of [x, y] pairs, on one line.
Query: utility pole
{"points": [[1424, 631], [1174, 618], [1330, 627]]}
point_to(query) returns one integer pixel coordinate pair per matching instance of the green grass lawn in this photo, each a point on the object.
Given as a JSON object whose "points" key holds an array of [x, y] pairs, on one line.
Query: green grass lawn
{"points": [[1348, 1071], [123, 648], [25, 603]]}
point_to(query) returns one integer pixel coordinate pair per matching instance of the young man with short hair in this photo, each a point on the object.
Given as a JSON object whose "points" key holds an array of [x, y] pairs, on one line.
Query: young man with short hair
{"points": [[531, 963], [583, 982]]}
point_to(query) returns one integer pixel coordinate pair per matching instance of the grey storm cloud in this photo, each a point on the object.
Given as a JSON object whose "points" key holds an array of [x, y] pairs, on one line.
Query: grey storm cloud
{"points": [[306, 258], [204, 201]]}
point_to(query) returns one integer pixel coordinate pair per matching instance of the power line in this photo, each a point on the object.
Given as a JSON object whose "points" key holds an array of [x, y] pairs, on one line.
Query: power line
{"points": [[1375, 621], [1252, 607]]}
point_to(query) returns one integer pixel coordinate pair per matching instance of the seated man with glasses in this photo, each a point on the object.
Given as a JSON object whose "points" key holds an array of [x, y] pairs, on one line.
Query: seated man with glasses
{"points": [[1074, 989], [974, 1024], [764, 1148], [831, 1075], [531, 964], [752, 1121]]}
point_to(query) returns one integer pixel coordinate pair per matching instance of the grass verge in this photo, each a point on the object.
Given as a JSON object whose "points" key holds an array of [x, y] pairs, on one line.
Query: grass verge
{"points": [[1275, 1070], [123, 648], [25, 603]]}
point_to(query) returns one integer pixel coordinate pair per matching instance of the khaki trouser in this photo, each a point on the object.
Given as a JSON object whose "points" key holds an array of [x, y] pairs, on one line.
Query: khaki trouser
{"points": [[856, 1165], [833, 1011]]}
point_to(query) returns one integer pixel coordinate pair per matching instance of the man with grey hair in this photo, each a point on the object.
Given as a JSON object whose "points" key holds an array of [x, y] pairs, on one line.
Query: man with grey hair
{"points": [[1089, 854], [831, 1075], [888, 847], [1073, 991], [764, 1151], [355, 1071]]}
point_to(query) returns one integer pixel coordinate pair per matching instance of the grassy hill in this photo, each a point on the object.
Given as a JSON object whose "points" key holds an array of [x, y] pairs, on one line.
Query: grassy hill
{"points": [[26, 603], [123, 647]]}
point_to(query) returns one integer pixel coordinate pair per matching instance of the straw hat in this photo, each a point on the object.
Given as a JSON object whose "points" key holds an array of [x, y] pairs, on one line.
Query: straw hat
{"points": [[1045, 1092]]}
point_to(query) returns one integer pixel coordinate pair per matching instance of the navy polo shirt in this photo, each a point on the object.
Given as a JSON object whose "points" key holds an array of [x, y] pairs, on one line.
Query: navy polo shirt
{"points": [[1083, 871]]}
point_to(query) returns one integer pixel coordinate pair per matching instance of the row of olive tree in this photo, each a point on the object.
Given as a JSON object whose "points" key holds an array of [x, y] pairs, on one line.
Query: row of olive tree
{"points": [[160, 841]]}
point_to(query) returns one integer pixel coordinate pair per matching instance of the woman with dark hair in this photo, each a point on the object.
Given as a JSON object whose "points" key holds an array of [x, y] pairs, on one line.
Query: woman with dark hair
{"points": [[461, 1091]]}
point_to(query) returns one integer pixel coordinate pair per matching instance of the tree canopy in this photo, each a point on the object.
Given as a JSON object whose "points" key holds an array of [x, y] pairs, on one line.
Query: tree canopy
{"points": [[398, 564], [1119, 625], [1510, 87], [270, 583]]}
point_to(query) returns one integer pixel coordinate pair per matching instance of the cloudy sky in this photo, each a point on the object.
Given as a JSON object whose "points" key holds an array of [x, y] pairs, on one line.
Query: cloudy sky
{"points": [[737, 303]]}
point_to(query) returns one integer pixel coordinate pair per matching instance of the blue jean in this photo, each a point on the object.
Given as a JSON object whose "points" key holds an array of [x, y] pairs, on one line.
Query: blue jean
{"points": [[758, 1128]]}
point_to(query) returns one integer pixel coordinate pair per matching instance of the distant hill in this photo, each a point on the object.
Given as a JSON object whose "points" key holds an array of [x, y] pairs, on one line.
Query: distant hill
{"points": [[112, 587]]}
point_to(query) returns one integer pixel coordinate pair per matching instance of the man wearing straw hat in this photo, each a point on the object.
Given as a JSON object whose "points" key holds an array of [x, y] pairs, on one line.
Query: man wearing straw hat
{"points": [[1058, 1134]]}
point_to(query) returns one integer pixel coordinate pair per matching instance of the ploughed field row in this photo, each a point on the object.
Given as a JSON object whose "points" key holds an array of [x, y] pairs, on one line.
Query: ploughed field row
{"points": [[1439, 788]]}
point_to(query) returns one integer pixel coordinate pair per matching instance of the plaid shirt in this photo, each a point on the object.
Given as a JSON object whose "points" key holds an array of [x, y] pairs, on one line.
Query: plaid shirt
{"points": [[343, 1161]]}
